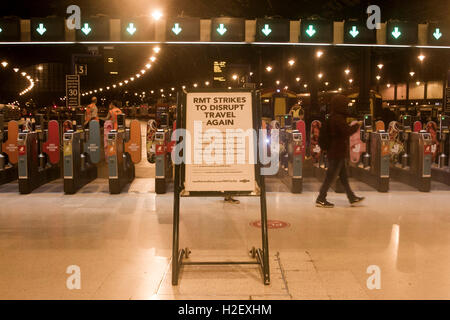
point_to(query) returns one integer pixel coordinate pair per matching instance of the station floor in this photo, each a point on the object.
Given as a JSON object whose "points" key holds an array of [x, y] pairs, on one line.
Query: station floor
{"points": [[122, 244]]}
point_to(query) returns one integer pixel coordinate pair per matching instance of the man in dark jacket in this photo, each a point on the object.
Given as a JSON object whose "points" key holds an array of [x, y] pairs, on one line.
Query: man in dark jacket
{"points": [[338, 151]]}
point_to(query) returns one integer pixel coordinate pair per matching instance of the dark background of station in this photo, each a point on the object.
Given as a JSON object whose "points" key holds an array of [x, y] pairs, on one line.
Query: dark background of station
{"points": [[413, 10], [184, 65]]}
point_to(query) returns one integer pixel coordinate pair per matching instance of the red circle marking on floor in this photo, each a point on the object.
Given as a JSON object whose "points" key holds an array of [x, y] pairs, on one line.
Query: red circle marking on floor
{"points": [[271, 224]]}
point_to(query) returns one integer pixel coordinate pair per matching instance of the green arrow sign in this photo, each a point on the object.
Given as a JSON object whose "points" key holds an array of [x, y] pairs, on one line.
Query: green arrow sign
{"points": [[1, 30], [437, 34], [396, 33], [221, 29], [311, 31], [176, 29], [86, 29], [131, 29], [266, 30], [354, 32], [41, 29]]}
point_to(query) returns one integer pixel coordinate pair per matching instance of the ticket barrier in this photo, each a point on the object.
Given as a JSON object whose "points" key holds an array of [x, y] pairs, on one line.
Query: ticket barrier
{"points": [[82, 152], [39, 155], [291, 171], [440, 171], [9, 155], [373, 167], [123, 152], [163, 163], [415, 164]]}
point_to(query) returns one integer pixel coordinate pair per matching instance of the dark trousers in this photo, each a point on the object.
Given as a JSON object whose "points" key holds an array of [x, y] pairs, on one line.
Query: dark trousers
{"points": [[336, 167]]}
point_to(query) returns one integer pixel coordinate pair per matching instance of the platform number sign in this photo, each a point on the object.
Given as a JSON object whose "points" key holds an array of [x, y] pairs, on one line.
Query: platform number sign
{"points": [[81, 69], [72, 91]]}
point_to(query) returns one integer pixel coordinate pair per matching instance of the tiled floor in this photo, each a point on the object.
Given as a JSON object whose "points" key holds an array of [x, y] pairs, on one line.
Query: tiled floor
{"points": [[122, 244]]}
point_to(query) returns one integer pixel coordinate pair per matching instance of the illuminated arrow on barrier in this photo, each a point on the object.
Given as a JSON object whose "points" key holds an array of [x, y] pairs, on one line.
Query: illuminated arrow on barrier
{"points": [[396, 33], [176, 29], [221, 29], [437, 34], [311, 31], [41, 30], [266, 30], [86, 29], [131, 29], [354, 32]]}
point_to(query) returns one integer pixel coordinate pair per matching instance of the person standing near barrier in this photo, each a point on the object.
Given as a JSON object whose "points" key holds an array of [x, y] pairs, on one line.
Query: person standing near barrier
{"points": [[337, 137], [91, 111], [114, 111], [297, 112]]}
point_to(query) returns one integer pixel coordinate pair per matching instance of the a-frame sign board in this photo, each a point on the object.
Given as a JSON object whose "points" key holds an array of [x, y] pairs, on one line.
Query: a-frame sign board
{"points": [[218, 111]]}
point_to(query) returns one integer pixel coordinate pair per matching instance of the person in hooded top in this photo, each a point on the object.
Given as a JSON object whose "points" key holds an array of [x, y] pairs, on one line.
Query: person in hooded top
{"points": [[338, 151]]}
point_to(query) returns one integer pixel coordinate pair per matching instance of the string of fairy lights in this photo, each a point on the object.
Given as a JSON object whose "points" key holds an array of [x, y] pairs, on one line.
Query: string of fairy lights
{"points": [[31, 81], [127, 81]]}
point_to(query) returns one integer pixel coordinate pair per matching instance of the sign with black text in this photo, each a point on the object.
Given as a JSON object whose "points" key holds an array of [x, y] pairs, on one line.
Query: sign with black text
{"points": [[72, 91], [221, 155]]}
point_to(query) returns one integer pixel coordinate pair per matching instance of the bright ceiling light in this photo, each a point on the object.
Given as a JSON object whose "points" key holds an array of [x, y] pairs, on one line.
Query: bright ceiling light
{"points": [[157, 14]]}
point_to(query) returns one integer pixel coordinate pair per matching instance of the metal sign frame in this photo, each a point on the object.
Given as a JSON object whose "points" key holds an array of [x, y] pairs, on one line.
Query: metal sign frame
{"points": [[260, 256]]}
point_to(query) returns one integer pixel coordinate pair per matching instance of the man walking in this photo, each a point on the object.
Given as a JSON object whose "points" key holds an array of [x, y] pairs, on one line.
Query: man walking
{"points": [[339, 133]]}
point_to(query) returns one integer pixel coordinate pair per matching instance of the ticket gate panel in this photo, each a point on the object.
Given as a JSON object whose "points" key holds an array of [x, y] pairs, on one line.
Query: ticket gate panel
{"points": [[52, 146], [93, 143], [425, 143], [163, 160], [418, 173], [293, 176], [134, 145], [115, 154], [10, 146], [27, 142], [71, 147]]}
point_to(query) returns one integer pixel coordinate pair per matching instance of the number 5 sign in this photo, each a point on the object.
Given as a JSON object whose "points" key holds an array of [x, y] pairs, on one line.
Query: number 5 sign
{"points": [[72, 90]]}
